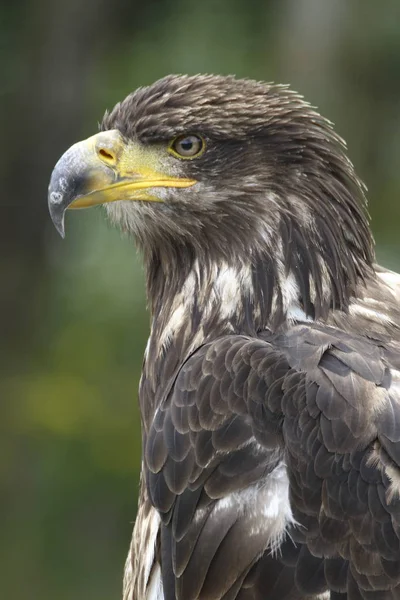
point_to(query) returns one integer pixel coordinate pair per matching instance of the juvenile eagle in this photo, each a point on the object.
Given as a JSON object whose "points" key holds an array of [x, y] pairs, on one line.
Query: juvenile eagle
{"points": [[270, 393]]}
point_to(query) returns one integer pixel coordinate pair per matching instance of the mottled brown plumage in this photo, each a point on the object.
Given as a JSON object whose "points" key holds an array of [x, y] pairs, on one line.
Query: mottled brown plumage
{"points": [[271, 382]]}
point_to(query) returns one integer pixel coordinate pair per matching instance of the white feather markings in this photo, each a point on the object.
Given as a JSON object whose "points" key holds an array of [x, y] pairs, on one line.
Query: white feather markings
{"points": [[155, 587], [154, 525], [295, 313], [369, 313], [276, 511], [224, 288], [180, 309], [265, 507], [290, 298], [391, 279], [229, 285], [139, 576], [128, 577]]}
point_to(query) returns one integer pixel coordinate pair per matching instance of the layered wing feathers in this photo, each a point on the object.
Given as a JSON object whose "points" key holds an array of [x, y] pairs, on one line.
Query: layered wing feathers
{"points": [[321, 402], [336, 434]]}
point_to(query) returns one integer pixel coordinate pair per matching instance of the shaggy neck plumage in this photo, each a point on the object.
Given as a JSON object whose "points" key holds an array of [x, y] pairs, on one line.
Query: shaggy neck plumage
{"points": [[244, 292], [193, 298]]}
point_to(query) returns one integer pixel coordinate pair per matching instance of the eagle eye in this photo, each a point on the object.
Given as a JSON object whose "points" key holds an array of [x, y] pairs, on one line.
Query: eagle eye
{"points": [[187, 146]]}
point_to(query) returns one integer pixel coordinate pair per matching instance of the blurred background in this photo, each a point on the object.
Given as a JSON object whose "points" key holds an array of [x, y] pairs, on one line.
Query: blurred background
{"points": [[73, 324]]}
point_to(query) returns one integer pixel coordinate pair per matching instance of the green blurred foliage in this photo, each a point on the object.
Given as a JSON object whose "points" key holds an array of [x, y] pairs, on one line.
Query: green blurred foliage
{"points": [[73, 323]]}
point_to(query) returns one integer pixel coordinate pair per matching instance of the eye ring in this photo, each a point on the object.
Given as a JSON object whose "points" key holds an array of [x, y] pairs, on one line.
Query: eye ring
{"points": [[187, 146]]}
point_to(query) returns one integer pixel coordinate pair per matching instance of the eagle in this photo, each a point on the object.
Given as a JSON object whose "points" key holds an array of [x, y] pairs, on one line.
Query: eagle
{"points": [[270, 391]]}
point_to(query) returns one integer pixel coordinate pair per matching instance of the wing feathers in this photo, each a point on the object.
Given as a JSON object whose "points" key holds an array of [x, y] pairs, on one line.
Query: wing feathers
{"points": [[352, 467], [326, 402]]}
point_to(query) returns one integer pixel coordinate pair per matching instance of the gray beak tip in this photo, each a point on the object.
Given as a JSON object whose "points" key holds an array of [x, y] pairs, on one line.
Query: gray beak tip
{"points": [[57, 216], [59, 225], [61, 230]]}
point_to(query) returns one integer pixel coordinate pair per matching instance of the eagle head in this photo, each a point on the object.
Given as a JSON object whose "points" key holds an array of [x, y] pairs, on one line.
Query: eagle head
{"points": [[217, 169]]}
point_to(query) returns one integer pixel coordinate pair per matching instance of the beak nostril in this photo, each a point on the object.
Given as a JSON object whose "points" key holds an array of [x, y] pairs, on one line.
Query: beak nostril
{"points": [[108, 156]]}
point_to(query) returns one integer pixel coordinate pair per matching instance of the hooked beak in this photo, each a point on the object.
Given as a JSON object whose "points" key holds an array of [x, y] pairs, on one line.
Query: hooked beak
{"points": [[106, 168]]}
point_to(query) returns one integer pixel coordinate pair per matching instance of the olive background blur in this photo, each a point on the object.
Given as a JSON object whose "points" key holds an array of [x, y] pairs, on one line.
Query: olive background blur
{"points": [[73, 324]]}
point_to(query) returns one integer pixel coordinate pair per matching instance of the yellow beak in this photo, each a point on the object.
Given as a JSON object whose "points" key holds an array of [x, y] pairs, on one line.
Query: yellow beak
{"points": [[106, 168]]}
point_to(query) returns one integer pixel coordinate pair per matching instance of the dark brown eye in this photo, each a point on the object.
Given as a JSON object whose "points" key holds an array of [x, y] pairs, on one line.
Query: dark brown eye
{"points": [[187, 146]]}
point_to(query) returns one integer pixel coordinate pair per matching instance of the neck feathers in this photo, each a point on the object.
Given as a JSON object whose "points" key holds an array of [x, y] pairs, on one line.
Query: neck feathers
{"points": [[296, 266], [210, 300]]}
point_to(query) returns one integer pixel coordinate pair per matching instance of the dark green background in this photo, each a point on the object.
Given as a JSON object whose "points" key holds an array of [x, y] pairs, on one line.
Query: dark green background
{"points": [[73, 324]]}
